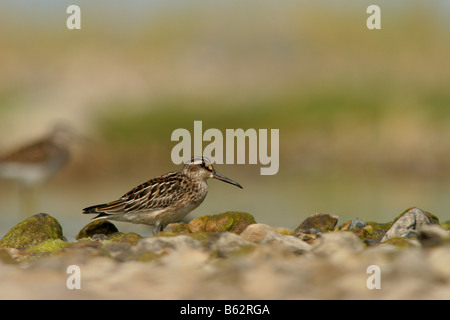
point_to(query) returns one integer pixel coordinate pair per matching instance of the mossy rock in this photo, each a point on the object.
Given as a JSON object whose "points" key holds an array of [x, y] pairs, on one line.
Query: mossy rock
{"points": [[97, 227], [433, 219], [33, 231], [230, 221], [320, 221]]}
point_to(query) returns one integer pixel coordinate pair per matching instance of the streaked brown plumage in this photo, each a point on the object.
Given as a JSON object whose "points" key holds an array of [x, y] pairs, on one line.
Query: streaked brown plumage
{"points": [[164, 199], [40, 160]]}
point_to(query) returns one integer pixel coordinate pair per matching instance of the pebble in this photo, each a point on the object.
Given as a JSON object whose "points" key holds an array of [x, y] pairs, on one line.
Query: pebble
{"points": [[257, 232]]}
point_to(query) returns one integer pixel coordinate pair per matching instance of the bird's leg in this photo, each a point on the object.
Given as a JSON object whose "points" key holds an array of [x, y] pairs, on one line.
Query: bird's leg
{"points": [[155, 229]]}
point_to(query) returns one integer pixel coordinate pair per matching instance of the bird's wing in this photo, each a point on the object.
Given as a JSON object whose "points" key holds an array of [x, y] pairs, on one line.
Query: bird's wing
{"points": [[154, 194], [31, 153]]}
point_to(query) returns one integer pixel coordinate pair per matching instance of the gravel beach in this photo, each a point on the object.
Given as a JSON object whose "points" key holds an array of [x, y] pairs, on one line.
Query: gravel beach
{"points": [[231, 256]]}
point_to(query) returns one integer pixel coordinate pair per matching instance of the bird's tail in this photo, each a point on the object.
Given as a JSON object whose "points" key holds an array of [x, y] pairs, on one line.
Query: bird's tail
{"points": [[105, 209]]}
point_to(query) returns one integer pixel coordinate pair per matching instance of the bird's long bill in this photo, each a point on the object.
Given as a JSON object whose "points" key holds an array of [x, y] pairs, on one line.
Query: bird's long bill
{"points": [[218, 176]]}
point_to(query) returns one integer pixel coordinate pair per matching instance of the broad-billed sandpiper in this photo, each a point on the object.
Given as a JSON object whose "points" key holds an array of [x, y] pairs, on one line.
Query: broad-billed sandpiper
{"points": [[164, 199]]}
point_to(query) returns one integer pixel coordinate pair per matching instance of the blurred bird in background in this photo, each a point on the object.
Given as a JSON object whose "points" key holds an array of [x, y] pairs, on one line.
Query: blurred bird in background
{"points": [[35, 163]]}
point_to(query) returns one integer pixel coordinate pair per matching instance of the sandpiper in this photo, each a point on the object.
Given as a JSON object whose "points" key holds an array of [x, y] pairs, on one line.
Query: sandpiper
{"points": [[164, 199], [37, 162]]}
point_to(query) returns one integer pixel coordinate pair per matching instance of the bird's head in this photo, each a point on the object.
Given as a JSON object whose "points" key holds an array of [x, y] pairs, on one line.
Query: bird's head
{"points": [[202, 168]]}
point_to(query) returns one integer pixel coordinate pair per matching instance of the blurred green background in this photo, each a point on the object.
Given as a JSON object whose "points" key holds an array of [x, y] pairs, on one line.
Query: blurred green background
{"points": [[364, 116]]}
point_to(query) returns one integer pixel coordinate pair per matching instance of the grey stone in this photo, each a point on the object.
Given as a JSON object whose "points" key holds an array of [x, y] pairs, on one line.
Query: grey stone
{"points": [[357, 224], [408, 224], [264, 234]]}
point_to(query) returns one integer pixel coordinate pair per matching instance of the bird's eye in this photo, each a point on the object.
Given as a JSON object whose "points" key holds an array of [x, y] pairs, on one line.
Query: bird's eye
{"points": [[203, 164]]}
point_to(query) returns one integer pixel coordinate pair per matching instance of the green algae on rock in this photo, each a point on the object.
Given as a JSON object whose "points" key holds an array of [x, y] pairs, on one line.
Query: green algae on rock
{"points": [[130, 238], [231, 221], [49, 246], [33, 231]]}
